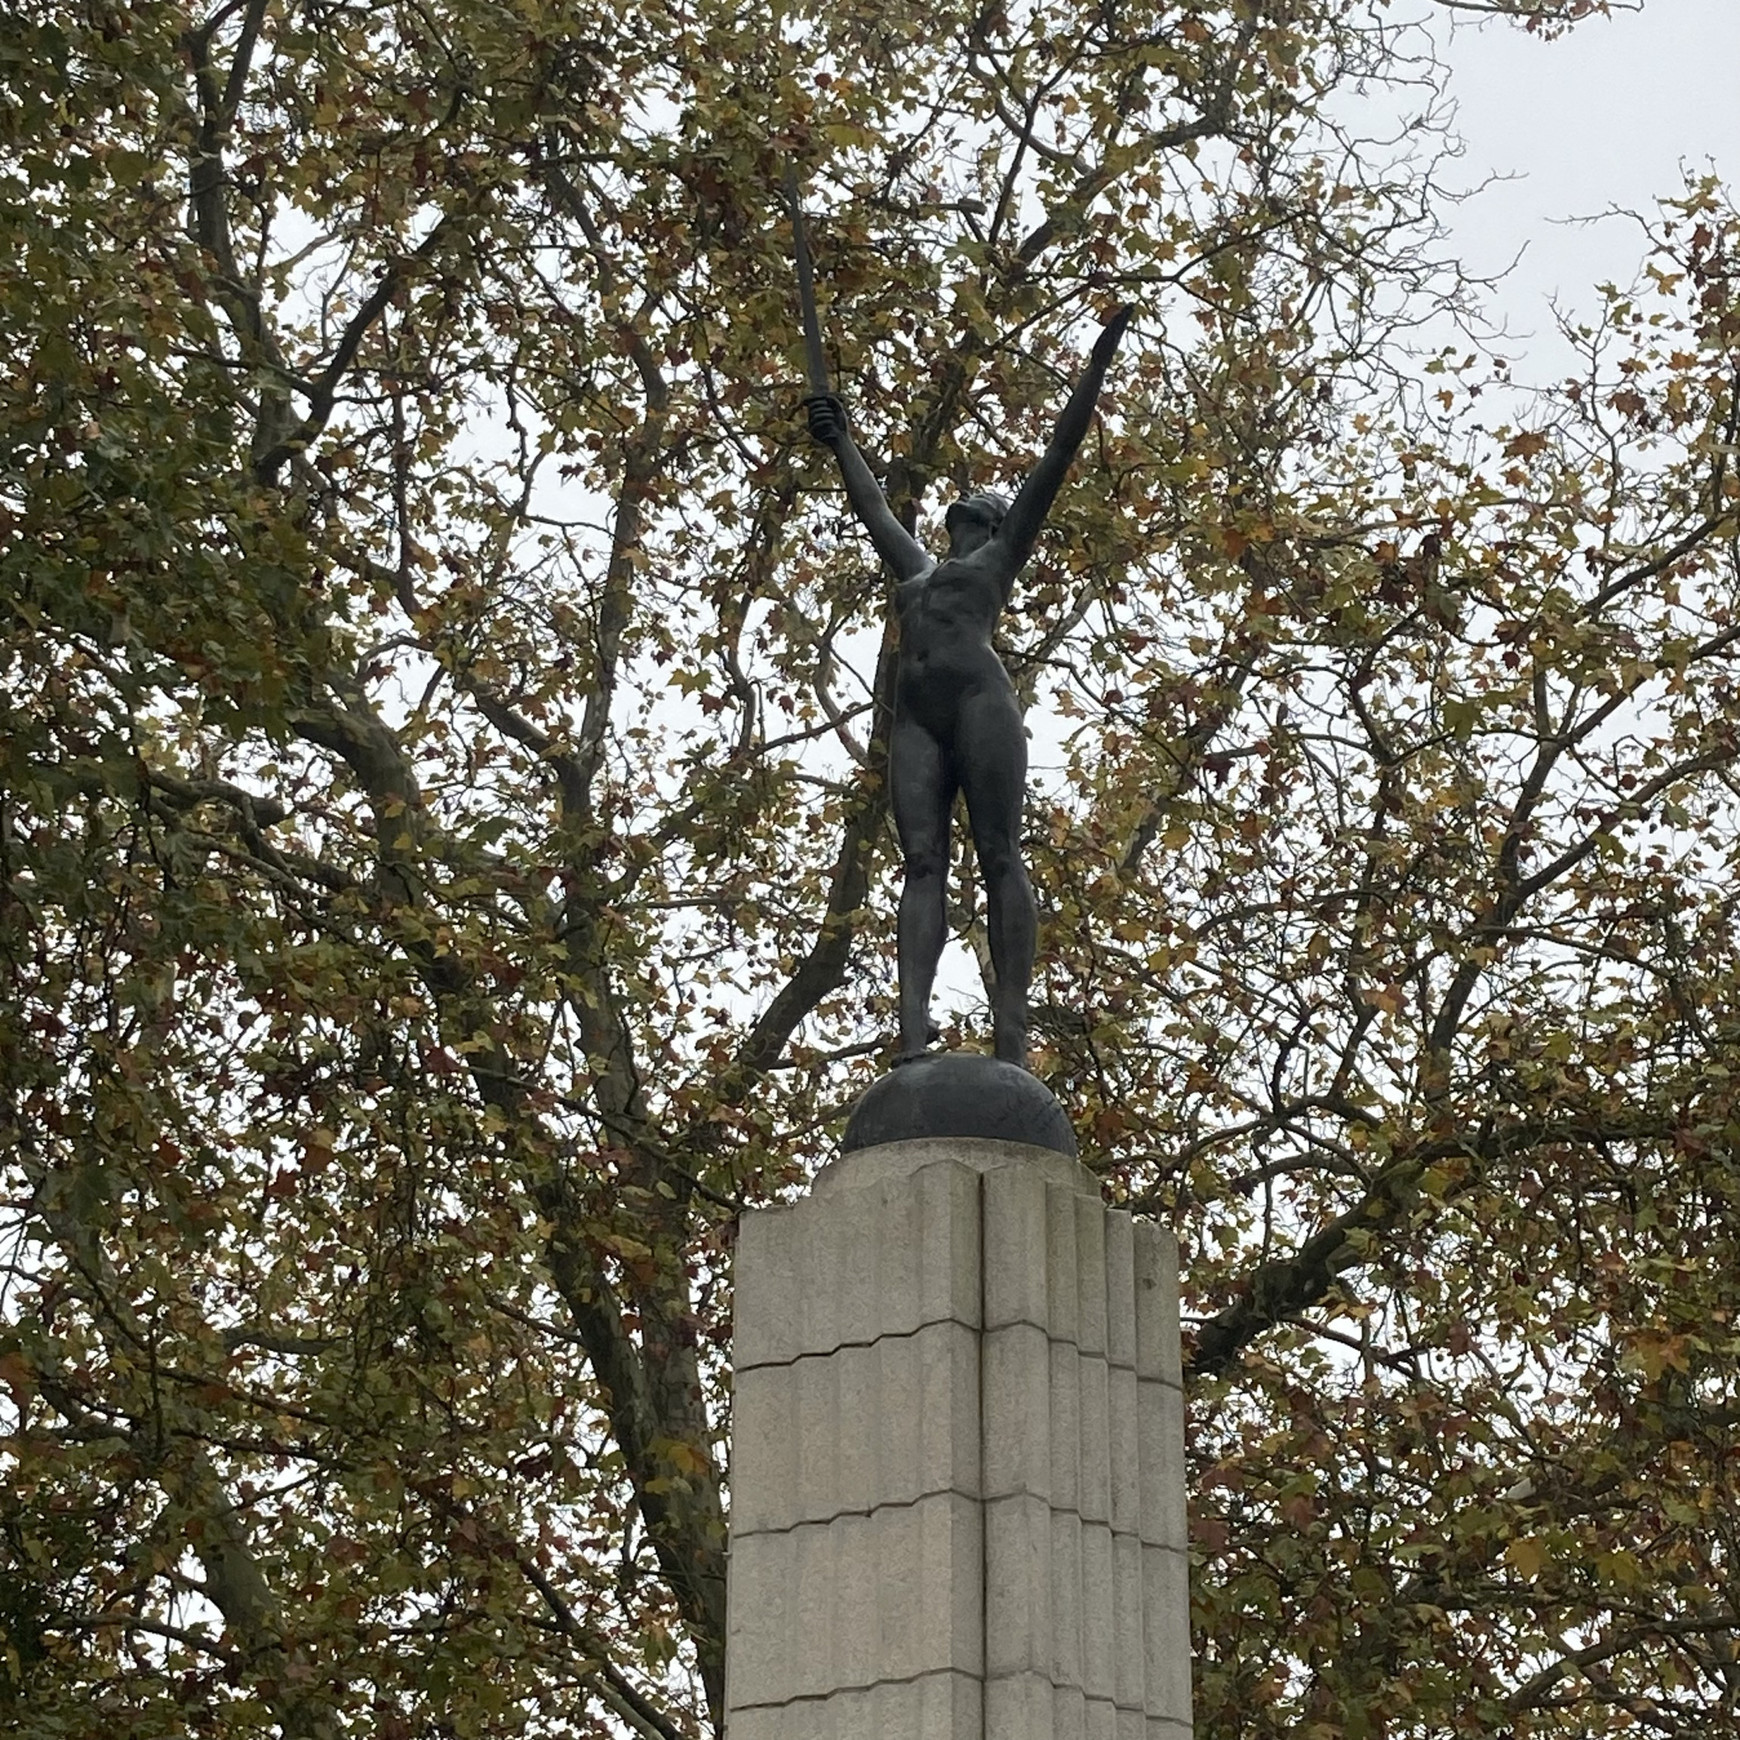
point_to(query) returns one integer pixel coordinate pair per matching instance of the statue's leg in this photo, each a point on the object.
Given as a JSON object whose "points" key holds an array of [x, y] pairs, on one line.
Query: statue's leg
{"points": [[923, 790], [991, 750]]}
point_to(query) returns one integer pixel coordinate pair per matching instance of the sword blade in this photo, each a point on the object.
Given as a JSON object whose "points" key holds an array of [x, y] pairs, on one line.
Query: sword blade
{"points": [[815, 357]]}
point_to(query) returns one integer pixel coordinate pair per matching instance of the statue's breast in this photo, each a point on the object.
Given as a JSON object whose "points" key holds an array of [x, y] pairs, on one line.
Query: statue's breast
{"points": [[953, 598]]}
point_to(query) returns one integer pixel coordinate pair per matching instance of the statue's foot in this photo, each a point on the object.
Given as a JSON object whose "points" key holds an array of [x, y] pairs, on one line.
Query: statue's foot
{"points": [[910, 1054]]}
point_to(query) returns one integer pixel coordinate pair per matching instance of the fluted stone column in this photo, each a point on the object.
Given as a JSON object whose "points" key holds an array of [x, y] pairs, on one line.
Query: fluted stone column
{"points": [[957, 1466]]}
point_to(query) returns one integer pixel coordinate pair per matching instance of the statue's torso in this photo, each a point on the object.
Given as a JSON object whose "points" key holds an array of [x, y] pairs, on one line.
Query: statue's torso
{"points": [[947, 616], [946, 620]]}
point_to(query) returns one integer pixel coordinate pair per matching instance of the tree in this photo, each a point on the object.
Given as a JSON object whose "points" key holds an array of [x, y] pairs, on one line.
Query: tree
{"points": [[447, 869]]}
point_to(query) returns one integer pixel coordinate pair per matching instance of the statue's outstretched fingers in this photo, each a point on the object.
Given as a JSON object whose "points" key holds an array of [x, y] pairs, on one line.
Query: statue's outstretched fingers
{"points": [[1111, 334]]}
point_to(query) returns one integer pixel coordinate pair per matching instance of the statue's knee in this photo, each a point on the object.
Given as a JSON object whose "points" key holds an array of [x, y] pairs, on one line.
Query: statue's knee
{"points": [[1000, 860], [924, 866]]}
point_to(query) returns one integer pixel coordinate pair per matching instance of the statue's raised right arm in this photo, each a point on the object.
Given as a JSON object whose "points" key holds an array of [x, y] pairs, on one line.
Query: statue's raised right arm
{"points": [[894, 543]]}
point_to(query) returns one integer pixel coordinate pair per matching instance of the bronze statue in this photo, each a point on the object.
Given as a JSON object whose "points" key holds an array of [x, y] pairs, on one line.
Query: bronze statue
{"points": [[957, 724]]}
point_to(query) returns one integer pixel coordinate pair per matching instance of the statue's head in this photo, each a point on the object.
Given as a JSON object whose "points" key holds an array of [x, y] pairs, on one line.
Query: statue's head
{"points": [[974, 519]]}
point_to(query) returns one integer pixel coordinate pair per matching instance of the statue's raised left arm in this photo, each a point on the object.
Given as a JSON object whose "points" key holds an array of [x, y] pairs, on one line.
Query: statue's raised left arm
{"points": [[1026, 517]]}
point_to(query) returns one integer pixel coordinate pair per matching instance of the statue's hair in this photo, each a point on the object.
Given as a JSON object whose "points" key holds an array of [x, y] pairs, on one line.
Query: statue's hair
{"points": [[988, 501]]}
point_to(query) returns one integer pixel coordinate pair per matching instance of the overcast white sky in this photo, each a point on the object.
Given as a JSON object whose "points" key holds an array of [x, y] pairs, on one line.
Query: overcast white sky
{"points": [[1601, 118]]}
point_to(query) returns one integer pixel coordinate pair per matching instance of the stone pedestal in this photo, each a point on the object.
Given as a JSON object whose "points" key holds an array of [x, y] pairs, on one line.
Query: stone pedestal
{"points": [[957, 1466]]}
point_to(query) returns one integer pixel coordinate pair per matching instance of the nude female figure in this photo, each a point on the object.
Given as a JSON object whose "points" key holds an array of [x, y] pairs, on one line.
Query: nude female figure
{"points": [[957, 724]]}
